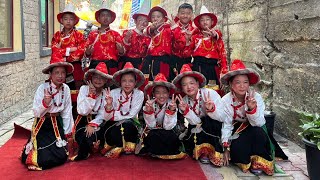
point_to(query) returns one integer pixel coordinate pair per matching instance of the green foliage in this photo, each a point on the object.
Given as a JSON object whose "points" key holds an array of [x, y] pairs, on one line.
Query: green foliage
{"points": [[310, 127]]}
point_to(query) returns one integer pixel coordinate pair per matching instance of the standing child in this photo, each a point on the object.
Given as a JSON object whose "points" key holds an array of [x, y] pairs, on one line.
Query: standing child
{"points": [[135, 41], [208, 48], [70, 43], [160, 115], [202, 108], [184, 21], [122, 107], [104, 44], [244, 134], [91, 102], [162, 35], [51, 130]]}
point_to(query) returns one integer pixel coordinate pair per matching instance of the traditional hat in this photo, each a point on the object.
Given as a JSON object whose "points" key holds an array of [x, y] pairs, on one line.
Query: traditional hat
{"points": [[128, 67], [187, 71], [58, 60], [69, 8], [237, 67], [143, 11], [104, 8], [100, 69], [159, 80], [205, 11], [158, 8]]}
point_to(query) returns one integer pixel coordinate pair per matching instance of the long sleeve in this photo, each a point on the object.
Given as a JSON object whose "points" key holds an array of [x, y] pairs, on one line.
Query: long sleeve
{"points": [[99, 117], [227, 126], [170, 120], [221, 51], [38, 107], [66, 113], [179, 39], [218, 113], [136, 104], [80, 44], [149, 118], [56, 44], [256, 116], [85, 104]]}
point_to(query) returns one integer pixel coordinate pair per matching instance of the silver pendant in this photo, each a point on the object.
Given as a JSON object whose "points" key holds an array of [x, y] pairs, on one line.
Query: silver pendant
{"points": [[29, 147]]}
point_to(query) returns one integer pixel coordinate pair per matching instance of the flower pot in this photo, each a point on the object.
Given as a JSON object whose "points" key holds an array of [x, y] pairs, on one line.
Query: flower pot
{"points": [[270, 118], [313, 159]]}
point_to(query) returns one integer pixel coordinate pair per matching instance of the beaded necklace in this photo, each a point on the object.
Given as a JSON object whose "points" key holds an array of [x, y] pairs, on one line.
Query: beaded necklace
{"points": [[205, 47], [197, 101], [122, 102], [53, 95], [159, 42], [160, 109], [109, 38], [100, 103], [68, 35], [236, 106]]}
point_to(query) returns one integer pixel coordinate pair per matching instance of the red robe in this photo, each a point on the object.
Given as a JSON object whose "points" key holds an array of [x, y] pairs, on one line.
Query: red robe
{"points": [[186, 51], [137, 45], [105, 46], [60, 43]]}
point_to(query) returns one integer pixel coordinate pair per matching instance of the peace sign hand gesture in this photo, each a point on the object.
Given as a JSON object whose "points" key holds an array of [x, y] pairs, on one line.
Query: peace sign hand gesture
{"points": [[92, 89], [150, 104], [182, 104], [173, 104], [109, 100], [127, 36], [251, 102], [171, 21], [208, 103], [47, 97]]}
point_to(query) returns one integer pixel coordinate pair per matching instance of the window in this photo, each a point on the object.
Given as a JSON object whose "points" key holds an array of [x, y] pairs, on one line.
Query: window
{"points": [[46, 25], [11, 31], [6, 25]]}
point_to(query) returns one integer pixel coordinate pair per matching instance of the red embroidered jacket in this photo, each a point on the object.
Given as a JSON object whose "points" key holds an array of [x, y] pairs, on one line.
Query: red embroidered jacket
{"points": [[209, 48], [163, 41], [60, 42], [186, 51], [137, 45], [105, 44]]}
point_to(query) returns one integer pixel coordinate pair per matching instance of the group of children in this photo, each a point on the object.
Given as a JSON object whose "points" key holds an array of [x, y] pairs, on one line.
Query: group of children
{"points": [[219, 130]]}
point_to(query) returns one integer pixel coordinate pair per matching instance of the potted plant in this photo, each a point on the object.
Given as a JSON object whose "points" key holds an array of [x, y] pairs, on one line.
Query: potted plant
{"points": [[311, 138]]}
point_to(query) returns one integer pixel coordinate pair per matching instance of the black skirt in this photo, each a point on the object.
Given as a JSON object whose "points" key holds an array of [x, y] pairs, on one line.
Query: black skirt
{"points": [[207, 67], [45, 153], [205, 142]]}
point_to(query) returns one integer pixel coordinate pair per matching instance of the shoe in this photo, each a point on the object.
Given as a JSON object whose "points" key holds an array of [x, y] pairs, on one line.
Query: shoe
{"points": [[256, 172], [204, 160]]}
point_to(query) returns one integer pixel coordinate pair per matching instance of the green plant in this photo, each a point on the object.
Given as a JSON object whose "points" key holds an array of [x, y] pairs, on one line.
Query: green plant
{"points": [[310, 127]]}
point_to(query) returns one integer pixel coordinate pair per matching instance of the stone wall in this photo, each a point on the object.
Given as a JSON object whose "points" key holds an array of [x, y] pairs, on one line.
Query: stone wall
{"points": [[20, 79], [281, 40]]}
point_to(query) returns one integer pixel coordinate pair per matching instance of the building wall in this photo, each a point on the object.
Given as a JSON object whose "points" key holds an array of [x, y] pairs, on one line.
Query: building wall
{"points": [[19, 79], [281, 40]]}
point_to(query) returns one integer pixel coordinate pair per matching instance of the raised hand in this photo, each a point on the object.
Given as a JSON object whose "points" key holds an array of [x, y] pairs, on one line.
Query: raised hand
{"points": [[182, 104], [127, 36], [209, 32], [208, 103], [73, 49], [171, 20], [47, 97], [251, 102], [150, 104], [173, 104], [109, 100], [89, 49], [92, 89], [119, 48]]}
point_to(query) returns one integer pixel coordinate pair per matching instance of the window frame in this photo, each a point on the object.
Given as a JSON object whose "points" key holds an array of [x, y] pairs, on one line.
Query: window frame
{"points": [[45, 50], [11, 56]]}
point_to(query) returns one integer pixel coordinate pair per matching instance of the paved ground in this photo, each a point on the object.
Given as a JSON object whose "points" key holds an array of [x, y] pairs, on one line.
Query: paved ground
{"points": [[295, 168]]}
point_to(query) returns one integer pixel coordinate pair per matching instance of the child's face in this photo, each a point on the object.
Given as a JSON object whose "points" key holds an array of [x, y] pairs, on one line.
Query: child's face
{"points": [[205, 22], [105, 18], [141, 22], [68, 20], [98, 81], [161, 94], [189, 86], [185, 15], [157, 16], [58, 75], [128, 82]]}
